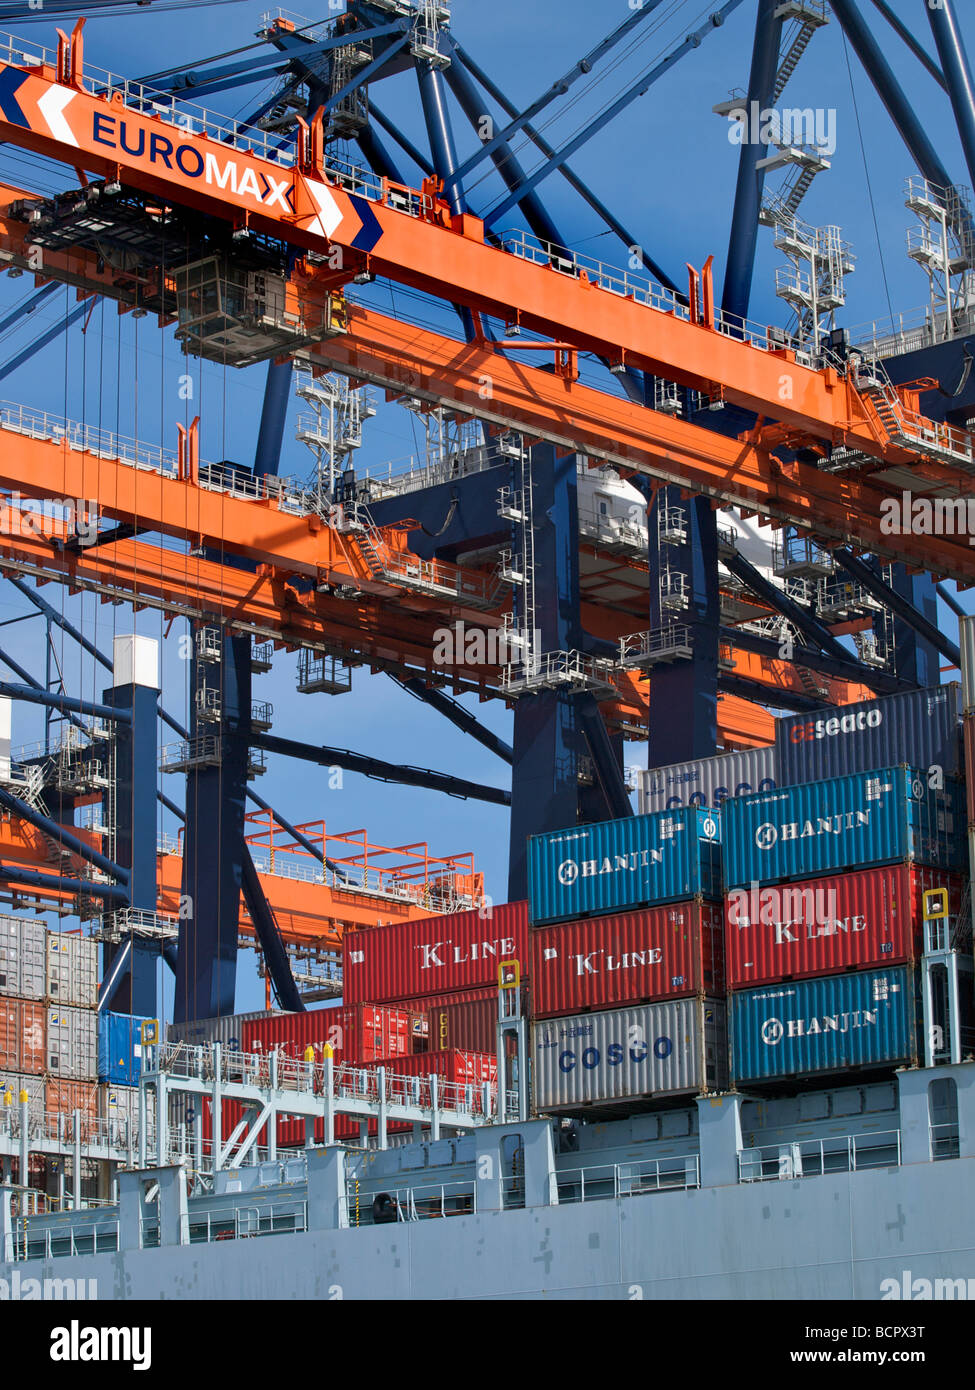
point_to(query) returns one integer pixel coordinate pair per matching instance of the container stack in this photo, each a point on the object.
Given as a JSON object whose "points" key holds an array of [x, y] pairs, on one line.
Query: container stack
{"points": [[48, 1028], [627, 913], [444, 970], [826, 883]]}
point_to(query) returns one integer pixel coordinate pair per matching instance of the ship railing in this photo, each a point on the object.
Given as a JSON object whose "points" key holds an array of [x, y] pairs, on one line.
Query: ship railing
{"points": [[74, 1238], [423, 1202], [945, 1141], [814, 1158], [260, 1219], [603, 1181]]}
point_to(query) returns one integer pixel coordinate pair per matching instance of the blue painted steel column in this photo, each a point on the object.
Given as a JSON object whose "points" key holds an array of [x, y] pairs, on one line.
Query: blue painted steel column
{"points": [[683, 706], [743, 242], [901, 112], [214, 844], [433, 99], [136, 777], [958, 75], [547, 743], [916, 659], [274, 415]]}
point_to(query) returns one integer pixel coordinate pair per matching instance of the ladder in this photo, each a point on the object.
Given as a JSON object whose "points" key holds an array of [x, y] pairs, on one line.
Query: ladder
{"points": [[810, 15]]}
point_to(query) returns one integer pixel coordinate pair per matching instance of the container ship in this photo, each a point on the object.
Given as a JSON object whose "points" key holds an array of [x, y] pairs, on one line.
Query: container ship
{"points": [[709, 1032]]}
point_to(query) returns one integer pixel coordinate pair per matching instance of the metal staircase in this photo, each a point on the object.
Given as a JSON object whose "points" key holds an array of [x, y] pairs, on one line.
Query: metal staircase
{"points": [[810, 16]]}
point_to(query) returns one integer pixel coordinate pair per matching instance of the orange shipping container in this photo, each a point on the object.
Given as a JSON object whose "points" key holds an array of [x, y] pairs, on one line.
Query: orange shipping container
{"points": [[65, 1097], [22, 1029]]}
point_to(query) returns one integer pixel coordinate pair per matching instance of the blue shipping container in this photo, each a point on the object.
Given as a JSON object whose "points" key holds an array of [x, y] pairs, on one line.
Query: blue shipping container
{"points": [[635, 862], [120, 1048], [918, 727], [879, 817], [824, 1025]]}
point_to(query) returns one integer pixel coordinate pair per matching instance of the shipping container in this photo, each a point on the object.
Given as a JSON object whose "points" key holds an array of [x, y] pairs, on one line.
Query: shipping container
{"points": [[807, 1027], [15, 1082], [863, 918], [648, 1050], [63, 1098], [708, 781], [613, 865], [225, 1029], [467, 1022], [356, 1033], [870, 818], [457, 951], [72, 1043], [23, 968], [968, 741], [629, 957], [72, 969], [918, 727], [118, 1106], [23, 1044], [120, 1048]]}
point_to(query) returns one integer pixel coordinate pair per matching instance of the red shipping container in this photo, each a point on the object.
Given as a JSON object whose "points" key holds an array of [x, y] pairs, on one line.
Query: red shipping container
{"points": [[470, 1024], [851, 921], [356, 1033], [22, 1036], [451, 1065], [458, 951], [629, 957]]}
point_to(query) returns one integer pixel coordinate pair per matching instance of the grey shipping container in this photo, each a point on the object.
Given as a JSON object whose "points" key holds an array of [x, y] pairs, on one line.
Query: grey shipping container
{"points": [[225, 1030], [15, 1082], [23, 972], [919, 727], [966, 641], [72, 969], [119, 1107], [679, 1046], [72, 1043], [708, 781]]}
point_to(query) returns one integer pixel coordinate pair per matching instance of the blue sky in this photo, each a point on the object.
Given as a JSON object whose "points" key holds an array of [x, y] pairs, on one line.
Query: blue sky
{"points": [[665, 166]]}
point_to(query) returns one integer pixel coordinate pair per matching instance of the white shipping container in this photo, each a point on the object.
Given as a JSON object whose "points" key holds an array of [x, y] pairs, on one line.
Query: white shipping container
{"points": [[72, 1043], [679, 1046], [72, 969], [23, 971], [707, 781], [118, 1106]]}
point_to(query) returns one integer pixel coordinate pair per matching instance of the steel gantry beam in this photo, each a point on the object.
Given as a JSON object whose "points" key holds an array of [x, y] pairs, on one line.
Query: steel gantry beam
{"points": [[859, 570], [958, 75]]}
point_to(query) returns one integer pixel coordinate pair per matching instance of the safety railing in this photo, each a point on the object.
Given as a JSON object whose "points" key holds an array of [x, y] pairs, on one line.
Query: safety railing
{"points": [[423, 1202], [39, 424], [55, 1129], [602, 1181], [670, 642], [261, 1219], [809, 1158], [945, 1141], [49, 1242]]}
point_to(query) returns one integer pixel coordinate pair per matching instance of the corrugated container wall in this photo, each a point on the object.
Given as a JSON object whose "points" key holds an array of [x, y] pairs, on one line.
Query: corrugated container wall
{"points": [[72, 1043], [64, 1097], [23, 969], [119, 1106], [458, 951], [846, 822], [919, 727], [825, 1025], [468, 1022], [72, 969], [15, 1082], [356, 1033], [679, 1046], [708, 781], [225, 1030], [654, 953], [120, 1048], [23, 1036], [810, 927], [614, 865]]}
